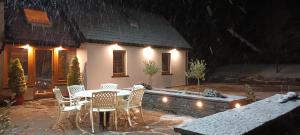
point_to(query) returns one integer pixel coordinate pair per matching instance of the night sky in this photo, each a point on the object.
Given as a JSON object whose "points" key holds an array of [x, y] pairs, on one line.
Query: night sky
{"points": [[264, 31]]}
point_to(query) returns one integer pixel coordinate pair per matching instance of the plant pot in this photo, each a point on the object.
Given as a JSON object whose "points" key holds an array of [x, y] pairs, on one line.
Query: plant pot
{"points": [[19, 100]]}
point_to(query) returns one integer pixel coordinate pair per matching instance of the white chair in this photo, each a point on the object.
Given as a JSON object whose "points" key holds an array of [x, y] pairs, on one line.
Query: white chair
{"points": [[109, 86], [74, 89], [134, 101], [105, 101], [65, 105]]}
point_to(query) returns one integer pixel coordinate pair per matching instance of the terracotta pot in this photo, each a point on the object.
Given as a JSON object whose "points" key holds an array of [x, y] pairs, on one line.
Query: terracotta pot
{"points": [[19, 100]]}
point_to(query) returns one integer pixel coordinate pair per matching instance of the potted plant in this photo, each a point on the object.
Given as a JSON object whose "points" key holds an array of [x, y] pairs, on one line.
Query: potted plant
{"points": [[150, 69], [74, 73], [16, 81]]}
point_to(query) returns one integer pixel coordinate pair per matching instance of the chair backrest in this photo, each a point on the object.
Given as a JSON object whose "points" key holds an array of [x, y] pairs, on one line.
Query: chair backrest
{"points": [[136, 97], [109, 86], [75, 88], [58, 97], [136, 87], [104, 100]]}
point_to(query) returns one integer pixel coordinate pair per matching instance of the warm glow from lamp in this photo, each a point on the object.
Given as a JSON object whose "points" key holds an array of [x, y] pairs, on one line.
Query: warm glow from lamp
{"points": [[148, 53], [165, 99], [115, 47], [174, 54], [27, 46], [199, 104], [59, 48], [237, 105]]}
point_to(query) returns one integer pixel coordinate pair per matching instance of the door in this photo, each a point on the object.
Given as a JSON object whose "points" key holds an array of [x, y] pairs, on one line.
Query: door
{"points": [[43, 67]]}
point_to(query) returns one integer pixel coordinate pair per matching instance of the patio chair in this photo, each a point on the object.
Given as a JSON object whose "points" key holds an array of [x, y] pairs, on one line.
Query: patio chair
{"points": [[65, 105], [105, 101], [109, 86], [74, 89], [134, 101]]}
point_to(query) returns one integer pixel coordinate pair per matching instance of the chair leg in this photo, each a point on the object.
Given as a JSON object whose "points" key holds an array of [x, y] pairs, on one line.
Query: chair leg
{"points": [[116, 120], [104, 119], [142, 114], [128, 118], [92, 121]]}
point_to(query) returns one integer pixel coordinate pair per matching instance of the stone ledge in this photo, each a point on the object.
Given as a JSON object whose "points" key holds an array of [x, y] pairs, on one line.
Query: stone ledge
{"points": [[262, 117]]}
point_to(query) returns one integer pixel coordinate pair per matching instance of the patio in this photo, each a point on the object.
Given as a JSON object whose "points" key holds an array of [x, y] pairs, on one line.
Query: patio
{"points": [[38, 117]]}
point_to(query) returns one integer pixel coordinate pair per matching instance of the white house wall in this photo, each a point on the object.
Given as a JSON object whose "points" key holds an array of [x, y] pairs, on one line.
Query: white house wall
{"points": [[99, 65]]}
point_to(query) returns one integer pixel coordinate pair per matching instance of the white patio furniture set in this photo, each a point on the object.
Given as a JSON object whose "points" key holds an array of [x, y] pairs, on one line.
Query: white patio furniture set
{"points": [[106, 99]]}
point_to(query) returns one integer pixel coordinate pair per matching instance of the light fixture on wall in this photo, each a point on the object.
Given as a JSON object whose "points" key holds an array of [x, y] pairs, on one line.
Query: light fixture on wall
{"points": [[27, 46], [59, 48], [164, 99], [174, 54], [115, 47], [148, 53]]}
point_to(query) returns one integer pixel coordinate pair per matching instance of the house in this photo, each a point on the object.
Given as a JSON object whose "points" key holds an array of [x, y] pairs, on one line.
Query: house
{"points": [[110, 42]]}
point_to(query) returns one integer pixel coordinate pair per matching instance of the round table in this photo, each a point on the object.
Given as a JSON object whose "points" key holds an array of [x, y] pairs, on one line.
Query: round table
{"points": [[89, 93]]}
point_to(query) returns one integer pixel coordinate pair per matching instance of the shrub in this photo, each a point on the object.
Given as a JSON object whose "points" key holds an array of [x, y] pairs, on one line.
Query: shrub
{"points": [[250, 94], [150, 69], [16, 78], [5, 123], [197, 70], [73, 77]]}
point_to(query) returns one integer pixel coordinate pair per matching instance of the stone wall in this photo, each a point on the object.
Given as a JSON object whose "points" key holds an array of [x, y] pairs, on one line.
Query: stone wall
{"points": [[183, 104], [264, 117]]}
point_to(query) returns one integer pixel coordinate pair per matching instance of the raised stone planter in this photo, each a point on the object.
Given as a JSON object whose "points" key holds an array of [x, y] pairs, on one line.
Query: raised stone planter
{"points": [[265, 117], [187, 103]]}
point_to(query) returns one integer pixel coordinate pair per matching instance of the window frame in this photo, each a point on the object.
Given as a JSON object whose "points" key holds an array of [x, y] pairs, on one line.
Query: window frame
{"points": [[168, 72], [123, 63]]}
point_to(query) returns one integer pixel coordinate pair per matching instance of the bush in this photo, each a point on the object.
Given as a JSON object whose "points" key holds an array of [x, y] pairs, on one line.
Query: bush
{"points": [[150, 69], [250, 94], [5, 123], [197, 70], [16, 78], [74, 73]]}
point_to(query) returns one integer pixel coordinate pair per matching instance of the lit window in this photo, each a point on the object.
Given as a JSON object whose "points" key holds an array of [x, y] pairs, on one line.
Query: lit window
{"points": [[166, 57], [37, 17], [119, 63]]}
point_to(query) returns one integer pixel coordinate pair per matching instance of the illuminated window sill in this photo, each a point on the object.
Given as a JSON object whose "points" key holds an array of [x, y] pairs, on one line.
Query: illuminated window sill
{"points": [[166, 74], [119, 76]]}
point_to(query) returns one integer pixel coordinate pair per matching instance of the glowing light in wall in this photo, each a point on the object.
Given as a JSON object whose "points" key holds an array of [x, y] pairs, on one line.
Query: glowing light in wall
{"points": [[148, 53], [27, 46], [237, 105], [199, 104], [58, 48], [164, 99], [115, 47], [174, 54]]}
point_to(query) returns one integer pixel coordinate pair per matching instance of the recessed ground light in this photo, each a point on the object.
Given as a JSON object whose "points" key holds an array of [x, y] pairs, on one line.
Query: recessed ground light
{"points": [[237, 105], [199, 104], [165, 99]]}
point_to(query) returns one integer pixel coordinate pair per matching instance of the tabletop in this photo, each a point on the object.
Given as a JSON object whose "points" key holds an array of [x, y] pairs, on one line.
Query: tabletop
{"points": [[89, 93]]}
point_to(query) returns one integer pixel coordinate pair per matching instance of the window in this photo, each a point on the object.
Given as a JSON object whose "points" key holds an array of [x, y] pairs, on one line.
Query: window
{"points": [[22, 54], [119, 63], [166, 57], [63, 63], [37, 17]]}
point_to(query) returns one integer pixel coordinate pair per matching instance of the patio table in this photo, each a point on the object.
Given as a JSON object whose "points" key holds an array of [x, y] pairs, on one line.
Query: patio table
{"points": [[89, 94]]}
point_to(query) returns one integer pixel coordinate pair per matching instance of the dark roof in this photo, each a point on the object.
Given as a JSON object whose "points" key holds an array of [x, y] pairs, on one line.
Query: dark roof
{"points": [[18, 30], [104, 22]]}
